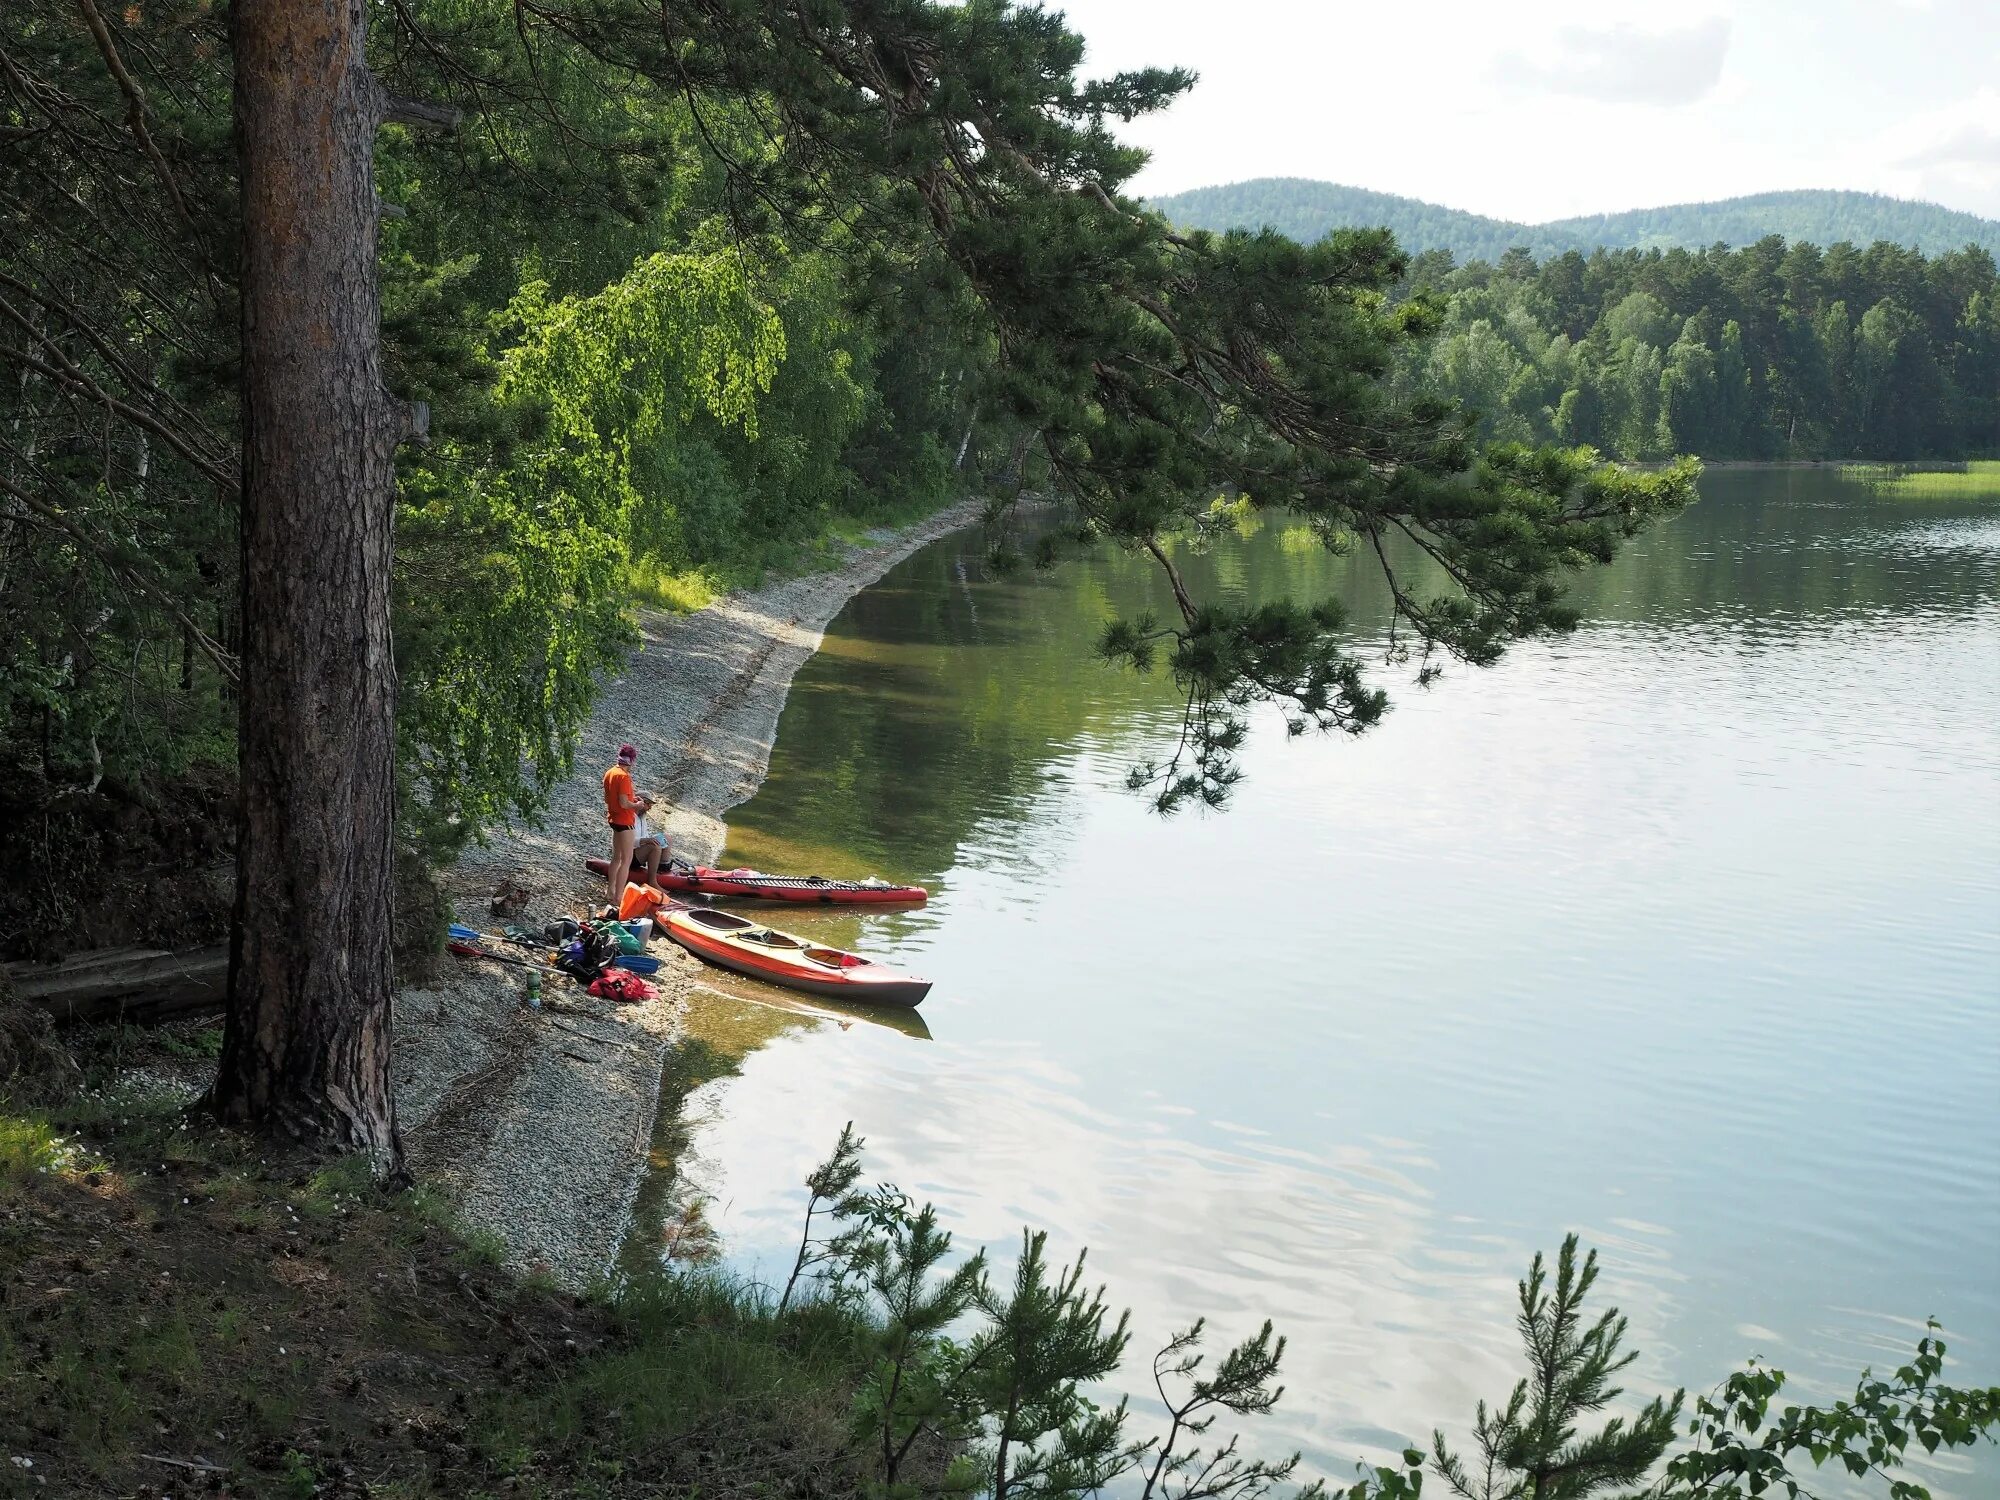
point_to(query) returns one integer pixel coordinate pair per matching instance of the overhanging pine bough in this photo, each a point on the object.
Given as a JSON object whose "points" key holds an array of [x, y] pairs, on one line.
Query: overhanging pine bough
{"points": [[1157, 369]]}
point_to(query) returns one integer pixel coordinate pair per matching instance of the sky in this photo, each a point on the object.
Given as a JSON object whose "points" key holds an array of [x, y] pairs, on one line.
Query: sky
{"points": [[1540, 109]]}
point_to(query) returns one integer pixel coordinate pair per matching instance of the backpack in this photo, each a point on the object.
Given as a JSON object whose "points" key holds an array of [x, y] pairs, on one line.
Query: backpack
{"points": [[589, 953]]}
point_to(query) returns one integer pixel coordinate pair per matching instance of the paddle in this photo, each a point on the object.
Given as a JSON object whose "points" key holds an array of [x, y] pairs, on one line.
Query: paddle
{"points": [[473, 950]]}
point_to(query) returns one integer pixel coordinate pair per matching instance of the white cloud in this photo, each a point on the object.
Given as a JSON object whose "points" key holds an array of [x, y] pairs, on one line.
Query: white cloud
{"points": [[1950, 153], [1628, 64], [1964, 129], [1967, 145], [1738, 97]]}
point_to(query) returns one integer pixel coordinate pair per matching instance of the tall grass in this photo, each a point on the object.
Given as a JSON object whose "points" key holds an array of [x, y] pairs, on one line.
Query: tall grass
{"points": [[703, 1376], [685, 590], [1978, 479]]}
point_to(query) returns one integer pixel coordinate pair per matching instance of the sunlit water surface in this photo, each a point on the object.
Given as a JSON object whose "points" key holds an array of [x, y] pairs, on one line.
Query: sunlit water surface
{"points": [[1682, 932]]}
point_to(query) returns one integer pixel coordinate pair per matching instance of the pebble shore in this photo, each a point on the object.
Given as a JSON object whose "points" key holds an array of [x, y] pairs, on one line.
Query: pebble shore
{"points": [[537, 1122]]}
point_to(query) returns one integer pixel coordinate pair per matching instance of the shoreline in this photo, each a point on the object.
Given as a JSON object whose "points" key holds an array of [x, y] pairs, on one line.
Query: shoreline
{"points": [[537, 1125]]}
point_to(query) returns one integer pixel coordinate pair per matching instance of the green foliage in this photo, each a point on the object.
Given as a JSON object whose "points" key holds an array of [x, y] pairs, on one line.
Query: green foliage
{"points": [[831, 1185], [483, 1248], [203, 1044], [1977, 480], [1044, 1339], [989, 1390], [117, 518], [986, 1389], [916, 1389], [298, 1477], [1747, 354], [1241, 1385], [1141, 371], [623, 386], [28, 1144], [511, 586], [910, 1373], [1529, 1448], [1741, 1449]]}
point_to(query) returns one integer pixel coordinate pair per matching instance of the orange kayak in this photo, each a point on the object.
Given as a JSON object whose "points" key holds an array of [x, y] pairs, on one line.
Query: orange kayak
{"points": [[746, 947]]}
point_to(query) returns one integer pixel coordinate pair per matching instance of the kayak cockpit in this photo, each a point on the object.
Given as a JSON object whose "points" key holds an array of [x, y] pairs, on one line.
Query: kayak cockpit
{"points": [[833, 958], [722, 921]]}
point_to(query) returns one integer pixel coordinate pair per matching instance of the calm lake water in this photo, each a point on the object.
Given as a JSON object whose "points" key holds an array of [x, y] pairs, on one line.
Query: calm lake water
{"points": [[1682, 932]]}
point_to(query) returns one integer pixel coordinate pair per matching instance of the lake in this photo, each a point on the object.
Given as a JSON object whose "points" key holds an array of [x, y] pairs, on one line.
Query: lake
{"points": [[1682, 932]]}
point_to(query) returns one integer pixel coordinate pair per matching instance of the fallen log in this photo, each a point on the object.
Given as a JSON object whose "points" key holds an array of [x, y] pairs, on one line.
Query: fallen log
{"points": [[124, 984]]}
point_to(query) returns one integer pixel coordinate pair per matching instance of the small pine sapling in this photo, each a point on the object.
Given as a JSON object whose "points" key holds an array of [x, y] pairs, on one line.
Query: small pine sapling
{"points": [[1242, 1384], [831, 1185], [1044, 1339], [1529, 1448], [915, 1389]]}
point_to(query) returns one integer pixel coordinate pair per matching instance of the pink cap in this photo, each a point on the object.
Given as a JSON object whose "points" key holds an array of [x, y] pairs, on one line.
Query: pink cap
{"points": [[628, 753]]}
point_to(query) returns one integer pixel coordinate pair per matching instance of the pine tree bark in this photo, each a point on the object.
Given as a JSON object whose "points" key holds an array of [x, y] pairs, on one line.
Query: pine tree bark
{"points": [[306, 1046]]}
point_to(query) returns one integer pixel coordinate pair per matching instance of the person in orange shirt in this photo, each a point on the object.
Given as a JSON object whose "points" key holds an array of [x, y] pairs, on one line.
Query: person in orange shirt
{"points": [[622, 809]]}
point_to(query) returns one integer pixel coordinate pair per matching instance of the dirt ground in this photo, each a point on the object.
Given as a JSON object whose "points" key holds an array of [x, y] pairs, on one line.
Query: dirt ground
{"points": [[185, 1312]]}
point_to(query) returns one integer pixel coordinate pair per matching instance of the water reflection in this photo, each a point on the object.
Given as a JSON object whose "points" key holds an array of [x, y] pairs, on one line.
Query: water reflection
{"points": [[1678, 932], [723, 985]]}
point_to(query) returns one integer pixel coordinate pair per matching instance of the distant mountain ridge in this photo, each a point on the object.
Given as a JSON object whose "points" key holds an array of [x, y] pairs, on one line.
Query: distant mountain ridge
{"points": [[1305, 209]]}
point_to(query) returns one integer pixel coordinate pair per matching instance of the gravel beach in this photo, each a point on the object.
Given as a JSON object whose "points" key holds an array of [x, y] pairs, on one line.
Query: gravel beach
{"points": [[537, 1123]]}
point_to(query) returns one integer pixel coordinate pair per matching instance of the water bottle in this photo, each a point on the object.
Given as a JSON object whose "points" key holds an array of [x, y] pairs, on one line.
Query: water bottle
{"points": [[534, 990]]}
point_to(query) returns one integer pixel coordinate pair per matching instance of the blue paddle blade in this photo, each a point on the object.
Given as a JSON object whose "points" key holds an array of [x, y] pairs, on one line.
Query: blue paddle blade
{"points": [[464, 934], [638, 963]]}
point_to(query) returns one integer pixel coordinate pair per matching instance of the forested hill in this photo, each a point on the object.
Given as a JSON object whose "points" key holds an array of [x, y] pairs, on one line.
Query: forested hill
{"points": [[1305, 209]]}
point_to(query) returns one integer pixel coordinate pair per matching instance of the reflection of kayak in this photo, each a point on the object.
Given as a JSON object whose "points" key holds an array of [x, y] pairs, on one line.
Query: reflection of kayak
{"points": [[722, 985], [705, 880], [737, 943]]}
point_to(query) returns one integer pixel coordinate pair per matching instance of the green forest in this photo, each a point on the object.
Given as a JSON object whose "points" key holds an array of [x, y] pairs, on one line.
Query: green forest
{"points": [[1773, 351], [1645, 334], [638, 379], [1305, 209]]}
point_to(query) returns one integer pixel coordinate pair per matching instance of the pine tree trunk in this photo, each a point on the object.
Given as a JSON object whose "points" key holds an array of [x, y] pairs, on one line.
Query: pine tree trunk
{"points": [[306, 1047]]}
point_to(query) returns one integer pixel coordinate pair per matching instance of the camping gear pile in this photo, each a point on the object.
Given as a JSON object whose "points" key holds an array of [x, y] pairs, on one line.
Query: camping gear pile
{"points": [[588, 952], [607, 957]]}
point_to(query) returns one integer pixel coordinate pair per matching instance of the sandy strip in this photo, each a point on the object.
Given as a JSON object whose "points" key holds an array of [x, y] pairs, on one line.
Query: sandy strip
{"points": [[537, 1123]]}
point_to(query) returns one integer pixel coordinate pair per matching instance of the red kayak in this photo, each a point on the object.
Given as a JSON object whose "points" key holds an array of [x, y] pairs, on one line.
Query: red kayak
{"points": [[705, 880], [747, 947]]}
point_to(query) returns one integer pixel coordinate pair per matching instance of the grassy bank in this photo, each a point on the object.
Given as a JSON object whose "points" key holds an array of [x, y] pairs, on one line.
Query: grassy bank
{"points": [[685, 590], [186, 1311], [1977, 479]]}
